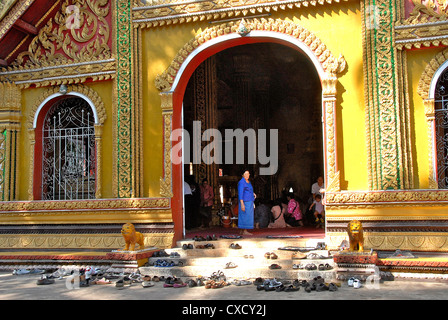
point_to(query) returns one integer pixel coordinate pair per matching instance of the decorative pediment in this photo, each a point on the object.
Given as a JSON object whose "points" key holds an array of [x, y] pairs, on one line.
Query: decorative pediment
{"points": [[153, 13], [73, 45], [79, 32], [425, 25], [330, 64]]}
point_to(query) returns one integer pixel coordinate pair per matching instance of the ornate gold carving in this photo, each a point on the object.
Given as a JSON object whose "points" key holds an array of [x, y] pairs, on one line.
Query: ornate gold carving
{"points": [[430, 122], [426, 26], [47, 206], [125, 123], [427, 76], [389, 166], [389, 241], [80, 241], [14, 13], [89, 42], [167, 113], [330, 64], [10, 101], [163, 12], [387, 198], [59, 55]]}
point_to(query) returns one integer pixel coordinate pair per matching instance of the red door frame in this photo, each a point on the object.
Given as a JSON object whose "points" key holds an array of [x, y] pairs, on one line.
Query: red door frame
{"points": [[178, 95]]}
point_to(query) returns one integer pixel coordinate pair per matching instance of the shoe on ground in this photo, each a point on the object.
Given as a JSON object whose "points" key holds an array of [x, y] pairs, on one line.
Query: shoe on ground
{"points": [[350, 282]]}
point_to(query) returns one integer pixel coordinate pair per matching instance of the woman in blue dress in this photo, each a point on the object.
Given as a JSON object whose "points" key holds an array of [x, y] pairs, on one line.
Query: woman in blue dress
{"points": [[246, 197]]}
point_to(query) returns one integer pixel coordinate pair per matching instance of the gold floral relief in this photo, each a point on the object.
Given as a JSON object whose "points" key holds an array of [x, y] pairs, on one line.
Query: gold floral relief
{"points": [[330, 64], [58, 42]]}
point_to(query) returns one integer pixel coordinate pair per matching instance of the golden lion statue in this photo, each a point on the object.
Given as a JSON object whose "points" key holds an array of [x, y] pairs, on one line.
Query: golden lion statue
{"points": [[355, 235], [131, 237]]}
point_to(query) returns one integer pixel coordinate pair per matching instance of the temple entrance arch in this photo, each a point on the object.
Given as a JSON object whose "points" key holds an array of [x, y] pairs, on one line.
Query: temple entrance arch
{"points": [[173, 82]]}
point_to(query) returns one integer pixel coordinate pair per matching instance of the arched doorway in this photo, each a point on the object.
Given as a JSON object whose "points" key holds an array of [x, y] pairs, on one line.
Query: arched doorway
{"points": [[173, 82], [261, 86]]}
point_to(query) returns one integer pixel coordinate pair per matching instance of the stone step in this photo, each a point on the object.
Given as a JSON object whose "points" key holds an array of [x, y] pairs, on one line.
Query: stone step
{"points": [[250, 259], [221, 262], [238, 273], [252, 243]]}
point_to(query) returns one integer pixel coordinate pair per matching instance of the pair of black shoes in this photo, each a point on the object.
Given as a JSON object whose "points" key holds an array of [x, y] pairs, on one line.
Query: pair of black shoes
{"points": [[160, 253], [186, 246]]}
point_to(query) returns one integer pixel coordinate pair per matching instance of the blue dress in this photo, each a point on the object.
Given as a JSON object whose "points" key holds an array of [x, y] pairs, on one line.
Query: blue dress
{"points": [[245, 193]]}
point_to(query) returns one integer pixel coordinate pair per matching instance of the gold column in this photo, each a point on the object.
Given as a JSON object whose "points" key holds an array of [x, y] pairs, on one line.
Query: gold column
{"points": [[329, 111], [9, 134], [430, 122]]}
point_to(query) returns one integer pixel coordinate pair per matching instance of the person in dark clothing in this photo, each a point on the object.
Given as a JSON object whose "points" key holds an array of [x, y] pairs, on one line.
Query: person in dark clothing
{"points": [[261, 214]]}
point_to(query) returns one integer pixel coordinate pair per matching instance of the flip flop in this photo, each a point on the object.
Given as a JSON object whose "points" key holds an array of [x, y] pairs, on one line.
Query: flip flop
{"points": [[230, 265]]}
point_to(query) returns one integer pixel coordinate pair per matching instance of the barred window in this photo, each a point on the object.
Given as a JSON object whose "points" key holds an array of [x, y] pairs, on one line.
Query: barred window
{"points": [[68, 152], [441, 129]]}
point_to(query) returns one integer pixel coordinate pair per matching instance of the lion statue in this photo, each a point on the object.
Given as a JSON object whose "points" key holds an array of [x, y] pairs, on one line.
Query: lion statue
{"points": [[355, 235], [131, 237]]}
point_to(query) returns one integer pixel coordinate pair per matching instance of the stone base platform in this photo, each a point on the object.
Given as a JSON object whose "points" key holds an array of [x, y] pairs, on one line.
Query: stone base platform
{"points": [[129, 261], [358, 264]]}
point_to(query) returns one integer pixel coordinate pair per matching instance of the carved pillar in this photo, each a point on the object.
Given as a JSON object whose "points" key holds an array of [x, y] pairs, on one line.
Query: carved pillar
{"points": [[167, 114], [99, 147], [206, 111], [332, 180], [431, 129], [9, 135], [386, 117]]}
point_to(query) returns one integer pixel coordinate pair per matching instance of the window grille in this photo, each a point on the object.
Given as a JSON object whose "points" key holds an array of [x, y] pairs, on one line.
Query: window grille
{"points": [[441, 129], [68, 152]]}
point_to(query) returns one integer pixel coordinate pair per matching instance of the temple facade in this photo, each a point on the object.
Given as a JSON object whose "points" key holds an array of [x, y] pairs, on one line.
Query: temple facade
{"points": [[91, 92]]}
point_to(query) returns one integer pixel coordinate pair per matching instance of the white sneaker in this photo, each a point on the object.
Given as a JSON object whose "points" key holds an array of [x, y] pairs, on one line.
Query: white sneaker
{"points": [[356, 284], [350, 282]]}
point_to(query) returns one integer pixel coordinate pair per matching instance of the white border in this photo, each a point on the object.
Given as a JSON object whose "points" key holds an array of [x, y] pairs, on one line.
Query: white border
{"points": [[253, 34], [58, 94]]}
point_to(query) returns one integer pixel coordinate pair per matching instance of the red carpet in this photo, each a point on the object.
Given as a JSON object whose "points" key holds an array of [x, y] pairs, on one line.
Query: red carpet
{"points": [[304, 232]]}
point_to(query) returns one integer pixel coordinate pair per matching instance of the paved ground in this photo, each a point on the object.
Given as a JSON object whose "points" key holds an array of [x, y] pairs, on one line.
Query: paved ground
{"points": [[24, 287]]}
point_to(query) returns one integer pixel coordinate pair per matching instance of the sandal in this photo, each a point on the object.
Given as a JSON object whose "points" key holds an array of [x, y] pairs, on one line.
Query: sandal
{"points": [[332, 287], [147, 284], [310, 266], [230, 265], [291, 288], [273, 255], [298, 255]]}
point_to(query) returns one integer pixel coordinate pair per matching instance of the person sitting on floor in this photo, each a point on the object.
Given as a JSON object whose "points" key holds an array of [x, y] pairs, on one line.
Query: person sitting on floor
{"points": [[294, 215], [278, 215], [261, 214]]}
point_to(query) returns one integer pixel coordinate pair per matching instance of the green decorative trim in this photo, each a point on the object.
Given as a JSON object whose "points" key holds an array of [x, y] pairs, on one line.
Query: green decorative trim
{"points": [[3, 151], [383, 119], [124, 99]]}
